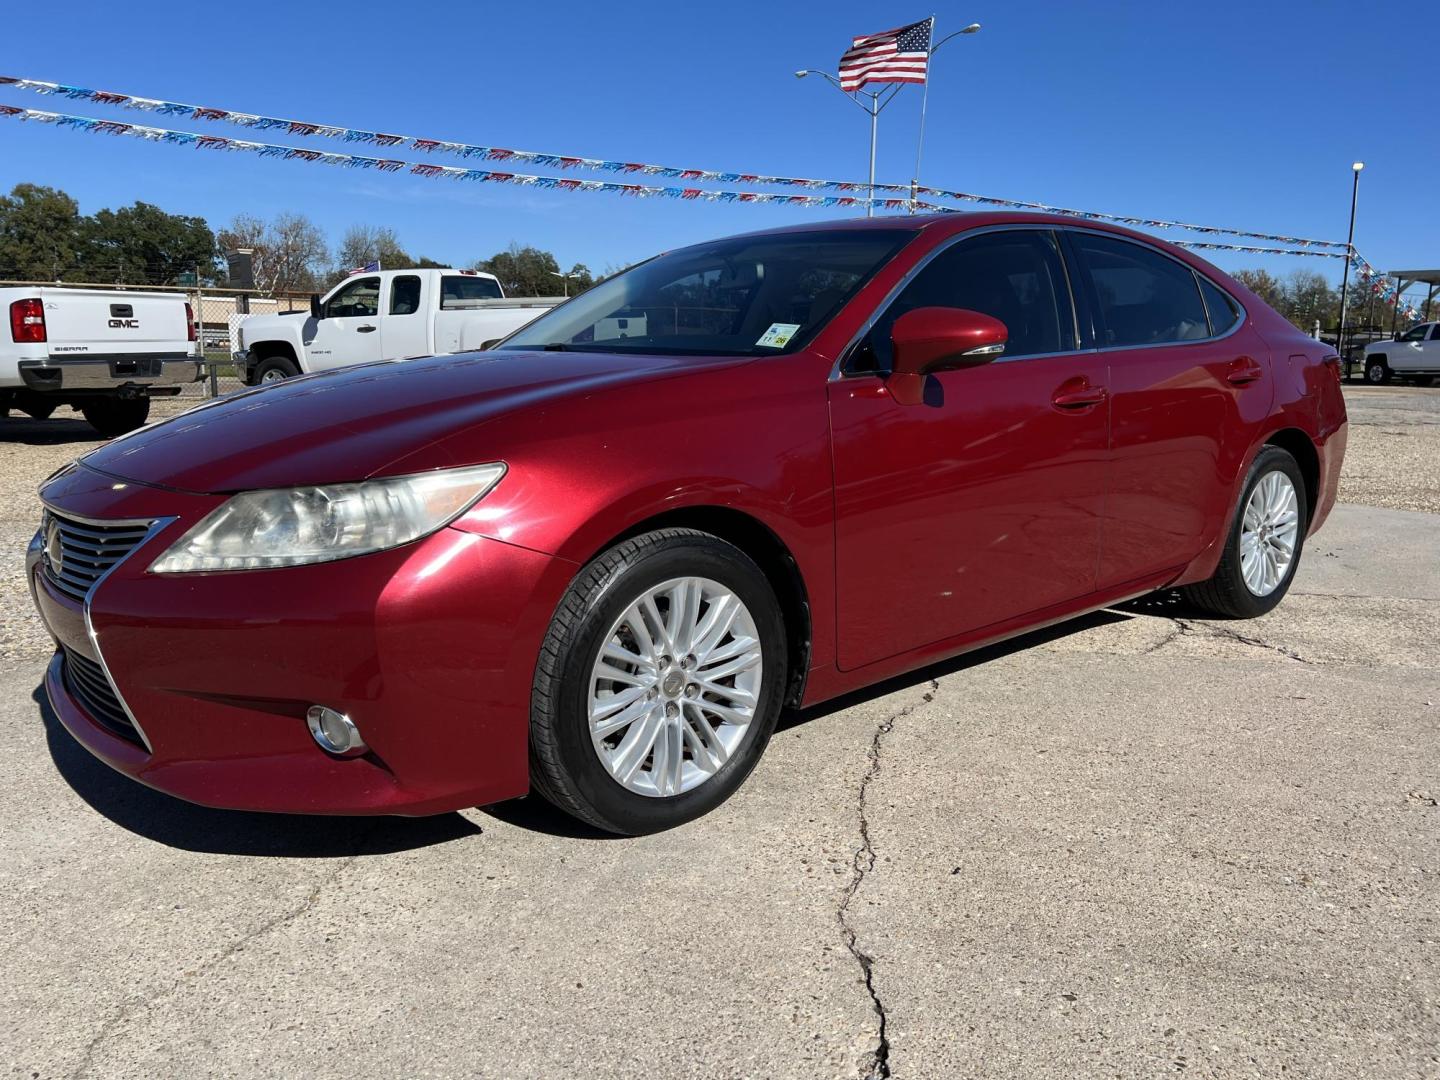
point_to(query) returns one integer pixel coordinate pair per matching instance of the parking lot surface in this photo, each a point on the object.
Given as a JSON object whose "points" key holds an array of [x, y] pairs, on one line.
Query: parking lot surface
{"points": [[1139, 844]]}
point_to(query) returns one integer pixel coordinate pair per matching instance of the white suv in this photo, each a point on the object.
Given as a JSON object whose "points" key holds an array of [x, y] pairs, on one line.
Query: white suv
{"points": [[1415, 354]]}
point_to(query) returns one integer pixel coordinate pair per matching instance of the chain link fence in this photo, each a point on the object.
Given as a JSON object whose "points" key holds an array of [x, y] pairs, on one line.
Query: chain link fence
{"points": [[218, 313]]}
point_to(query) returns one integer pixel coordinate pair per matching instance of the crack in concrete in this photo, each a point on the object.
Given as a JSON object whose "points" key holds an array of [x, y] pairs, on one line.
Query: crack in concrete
{"points": [[1188, 627], [136, 1005], [861, 864], [1367, 596]]}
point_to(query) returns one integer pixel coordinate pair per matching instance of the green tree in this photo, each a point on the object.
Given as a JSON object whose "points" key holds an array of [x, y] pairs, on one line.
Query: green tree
{"points": [[1262, 284], [144, 245], [528, 271], [39, 233]]}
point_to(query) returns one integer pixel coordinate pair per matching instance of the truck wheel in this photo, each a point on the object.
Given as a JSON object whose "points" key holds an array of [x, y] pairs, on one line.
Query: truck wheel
{"points": [[1377, 370], [116, 416], [273, 369], [38, 410]]}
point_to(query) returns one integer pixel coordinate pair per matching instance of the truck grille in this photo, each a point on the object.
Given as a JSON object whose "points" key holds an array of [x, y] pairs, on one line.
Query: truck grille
{"points": [[77, 553], [87, 684]]}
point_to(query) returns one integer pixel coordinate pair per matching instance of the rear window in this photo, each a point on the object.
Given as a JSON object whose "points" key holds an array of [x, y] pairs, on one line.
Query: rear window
{"points": [[1224, 313], [458, 292]]}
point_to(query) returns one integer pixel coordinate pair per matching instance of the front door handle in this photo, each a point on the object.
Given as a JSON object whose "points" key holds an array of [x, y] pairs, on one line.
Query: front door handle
{"points": [[1243, 371], [1076, 395], [366, 329]]}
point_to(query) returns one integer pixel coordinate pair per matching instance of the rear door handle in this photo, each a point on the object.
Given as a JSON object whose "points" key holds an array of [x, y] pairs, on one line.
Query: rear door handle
{"points": [[1077, 398], [366, 329], [1243, 371]]}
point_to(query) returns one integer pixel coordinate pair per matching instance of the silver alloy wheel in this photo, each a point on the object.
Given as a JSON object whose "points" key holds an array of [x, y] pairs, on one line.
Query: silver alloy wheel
{"points": [[272, 375], [675, 686], [1268, 533]]}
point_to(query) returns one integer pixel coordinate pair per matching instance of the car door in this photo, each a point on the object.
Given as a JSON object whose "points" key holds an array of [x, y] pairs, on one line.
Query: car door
{"points": [[405, 330], [1189, 381], [983, 502], [349, 332], [1411, 351]]}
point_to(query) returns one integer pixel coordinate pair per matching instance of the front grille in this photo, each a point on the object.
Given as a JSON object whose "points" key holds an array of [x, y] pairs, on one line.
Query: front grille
{"points": [[87, 684], [85, 550]]}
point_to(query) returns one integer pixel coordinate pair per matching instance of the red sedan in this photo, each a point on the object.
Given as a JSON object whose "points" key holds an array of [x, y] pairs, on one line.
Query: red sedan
{"points": [[598, 561]]}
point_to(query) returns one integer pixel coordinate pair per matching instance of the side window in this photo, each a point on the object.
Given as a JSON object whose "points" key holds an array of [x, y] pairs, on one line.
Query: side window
{"points": [[1224, 313], [405, 295], [1016, 277], [1435, 333], [1146, 298], [458, 293], [1416, 333], [358, 298]]}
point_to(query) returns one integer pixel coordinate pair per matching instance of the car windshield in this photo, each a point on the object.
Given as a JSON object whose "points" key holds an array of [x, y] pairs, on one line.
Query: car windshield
{"points": [[750, 296]]}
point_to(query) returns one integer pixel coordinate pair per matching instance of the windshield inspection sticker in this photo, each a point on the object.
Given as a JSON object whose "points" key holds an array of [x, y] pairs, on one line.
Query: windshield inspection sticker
{"points": [[779, 335]]}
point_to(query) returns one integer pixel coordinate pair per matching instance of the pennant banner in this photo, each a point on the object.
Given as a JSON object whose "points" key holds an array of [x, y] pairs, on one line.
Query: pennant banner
{"points": [[355, 161], [1375, 283], [413, 142], [566, 161], [1120, 219]]}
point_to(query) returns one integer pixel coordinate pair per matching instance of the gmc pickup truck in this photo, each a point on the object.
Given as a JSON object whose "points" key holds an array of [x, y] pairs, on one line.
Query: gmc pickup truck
{"points": [[1415, 354], [103, 352], [389, 315]]}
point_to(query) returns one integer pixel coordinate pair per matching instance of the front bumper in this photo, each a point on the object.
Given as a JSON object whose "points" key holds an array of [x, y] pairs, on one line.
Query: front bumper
{"points": [[244, 365], [430, 648], [64, 374]]}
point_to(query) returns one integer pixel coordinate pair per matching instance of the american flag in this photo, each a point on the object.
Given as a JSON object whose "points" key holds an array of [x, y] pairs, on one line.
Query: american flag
{"points": [[895, 56], [372, 267]]}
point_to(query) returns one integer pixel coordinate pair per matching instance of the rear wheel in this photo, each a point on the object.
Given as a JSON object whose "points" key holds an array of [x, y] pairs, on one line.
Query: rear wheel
{"points": [[1265, 541], [274, 368], [1377, 371], [116, 416], [659, 683]]}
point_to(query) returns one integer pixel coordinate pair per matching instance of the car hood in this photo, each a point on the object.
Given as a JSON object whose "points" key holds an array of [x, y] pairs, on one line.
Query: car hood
{"points": [[255, 326], [374, 419]]}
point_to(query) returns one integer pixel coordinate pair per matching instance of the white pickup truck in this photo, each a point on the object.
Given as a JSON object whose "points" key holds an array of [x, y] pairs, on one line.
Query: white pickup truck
{"points": [[103, 352], [389, 315], [1415, 354]]}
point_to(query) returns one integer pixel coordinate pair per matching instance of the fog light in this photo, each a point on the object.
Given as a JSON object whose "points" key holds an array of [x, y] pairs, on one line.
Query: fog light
{"points": [[334, 731]]}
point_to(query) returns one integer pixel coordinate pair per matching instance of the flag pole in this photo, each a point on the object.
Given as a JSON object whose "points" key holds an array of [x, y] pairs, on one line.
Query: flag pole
{"points": [[924, 102]]}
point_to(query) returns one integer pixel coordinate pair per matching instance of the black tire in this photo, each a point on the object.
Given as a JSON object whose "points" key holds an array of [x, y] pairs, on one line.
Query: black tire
{"points": [[1226, 593], [564, 766], [276, 367], [116, 416], [1377, 370], [39, 410]]}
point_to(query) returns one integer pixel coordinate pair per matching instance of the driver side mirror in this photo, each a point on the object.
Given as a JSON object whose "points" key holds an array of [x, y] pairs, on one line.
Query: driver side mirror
{"points": [[934, 339], [317, 310]]}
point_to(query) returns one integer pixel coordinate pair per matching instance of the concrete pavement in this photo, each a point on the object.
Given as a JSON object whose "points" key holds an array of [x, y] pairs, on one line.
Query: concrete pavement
{"points": [[1144, 843]]}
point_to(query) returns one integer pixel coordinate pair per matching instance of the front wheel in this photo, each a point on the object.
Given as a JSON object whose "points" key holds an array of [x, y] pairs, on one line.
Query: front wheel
{"points": [[274, 369], [1265, 541], [116, 416], [659, 683], [1377, 371]]}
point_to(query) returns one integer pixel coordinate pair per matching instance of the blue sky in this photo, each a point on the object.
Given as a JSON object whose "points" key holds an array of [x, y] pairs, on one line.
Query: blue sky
{"points": [[1237, 114]]}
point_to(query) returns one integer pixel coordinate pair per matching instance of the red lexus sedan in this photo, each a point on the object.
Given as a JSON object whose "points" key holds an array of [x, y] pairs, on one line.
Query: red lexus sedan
{"points": [[597, 561]]}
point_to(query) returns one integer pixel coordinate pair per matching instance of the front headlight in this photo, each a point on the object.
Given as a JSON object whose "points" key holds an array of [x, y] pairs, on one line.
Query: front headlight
{"points": [[292, 526]]}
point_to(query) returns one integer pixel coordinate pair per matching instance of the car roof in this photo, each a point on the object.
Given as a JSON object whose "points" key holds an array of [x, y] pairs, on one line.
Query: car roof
{"points": [[951, 222]]}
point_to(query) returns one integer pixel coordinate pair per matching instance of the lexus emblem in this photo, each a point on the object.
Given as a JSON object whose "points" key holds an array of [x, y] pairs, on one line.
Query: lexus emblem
{"points": [[54, 552]]}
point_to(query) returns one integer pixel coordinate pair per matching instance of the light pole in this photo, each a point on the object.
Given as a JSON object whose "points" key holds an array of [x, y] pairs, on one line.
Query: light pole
{"points": [[873, 109], [1356, 169], [973, 28], [566, 278]]}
